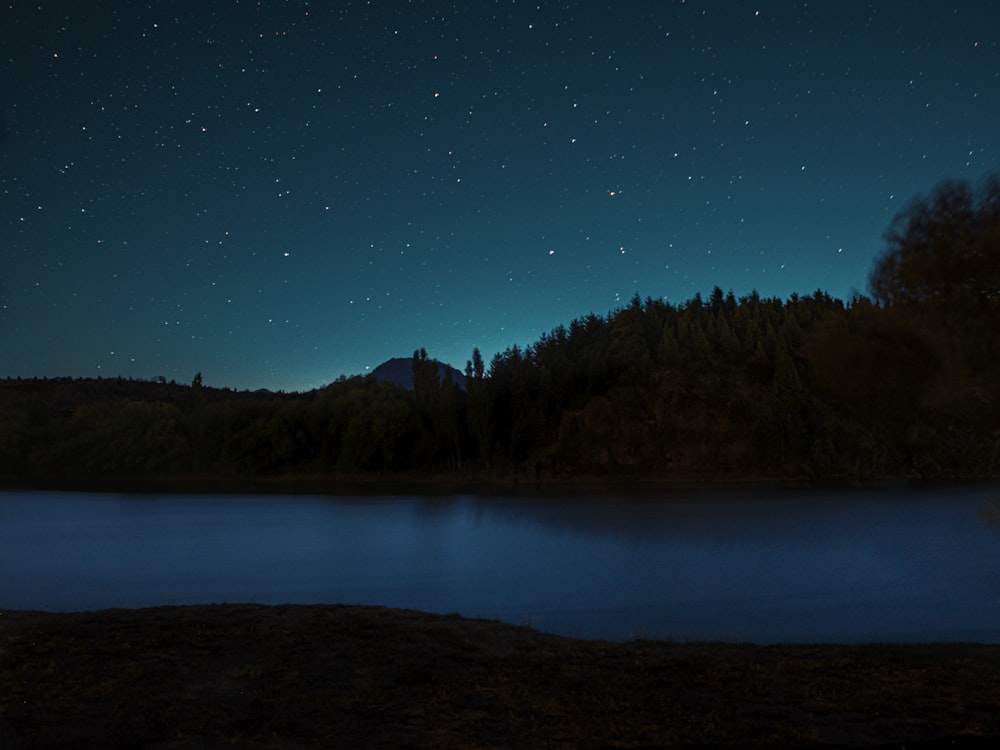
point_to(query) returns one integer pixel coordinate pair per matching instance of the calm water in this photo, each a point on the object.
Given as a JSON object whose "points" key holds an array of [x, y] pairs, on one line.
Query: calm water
{"points": [[902, 565]]}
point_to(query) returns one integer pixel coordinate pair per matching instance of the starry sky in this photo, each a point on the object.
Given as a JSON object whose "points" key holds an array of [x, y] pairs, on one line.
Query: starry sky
{"points": [[276, 193]]}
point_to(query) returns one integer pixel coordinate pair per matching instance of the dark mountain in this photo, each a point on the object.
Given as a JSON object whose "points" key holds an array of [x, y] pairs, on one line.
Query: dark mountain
{"points": [[399, 372]]}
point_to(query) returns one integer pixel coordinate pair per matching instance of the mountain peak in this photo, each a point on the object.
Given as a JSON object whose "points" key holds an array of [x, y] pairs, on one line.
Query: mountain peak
{"points": [[399, 372]]}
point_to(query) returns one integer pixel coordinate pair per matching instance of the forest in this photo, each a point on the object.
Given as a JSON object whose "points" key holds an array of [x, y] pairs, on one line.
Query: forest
{"points": [[901, 383]]}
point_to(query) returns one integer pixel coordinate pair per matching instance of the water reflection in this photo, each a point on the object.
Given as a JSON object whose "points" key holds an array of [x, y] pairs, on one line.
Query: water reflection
{"points": [[766, 566]]}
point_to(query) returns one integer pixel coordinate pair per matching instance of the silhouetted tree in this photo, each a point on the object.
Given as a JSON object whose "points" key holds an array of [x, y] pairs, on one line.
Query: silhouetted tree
{"points": [[943, 248], [478, 407], [437, 403]]}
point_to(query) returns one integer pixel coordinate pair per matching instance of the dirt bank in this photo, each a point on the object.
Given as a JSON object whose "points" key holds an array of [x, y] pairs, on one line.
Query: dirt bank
{"points": [[254, 676]]}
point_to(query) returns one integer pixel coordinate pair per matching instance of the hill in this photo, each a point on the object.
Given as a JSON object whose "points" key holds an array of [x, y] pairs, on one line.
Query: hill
{"points": [[726, 388], [399, 372], [809, 387]]}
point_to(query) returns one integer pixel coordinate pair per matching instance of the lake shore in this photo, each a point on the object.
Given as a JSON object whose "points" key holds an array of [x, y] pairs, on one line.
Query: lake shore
{"points": [[414, 483], [292, 676]]}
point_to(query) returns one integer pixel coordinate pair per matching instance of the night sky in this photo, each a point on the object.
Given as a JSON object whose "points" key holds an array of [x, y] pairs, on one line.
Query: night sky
{"points": [[278, 193]]}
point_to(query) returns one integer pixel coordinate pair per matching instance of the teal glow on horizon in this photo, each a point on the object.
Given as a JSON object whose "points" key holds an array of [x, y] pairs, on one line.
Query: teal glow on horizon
{"points": [[277, 194]]}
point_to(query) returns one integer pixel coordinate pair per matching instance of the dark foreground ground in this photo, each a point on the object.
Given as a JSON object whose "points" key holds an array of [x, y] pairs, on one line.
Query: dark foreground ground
{"points": [[248, 676]]}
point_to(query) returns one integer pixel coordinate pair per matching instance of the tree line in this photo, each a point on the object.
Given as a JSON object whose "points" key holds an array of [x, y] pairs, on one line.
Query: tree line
{"points": [[902, 383]]}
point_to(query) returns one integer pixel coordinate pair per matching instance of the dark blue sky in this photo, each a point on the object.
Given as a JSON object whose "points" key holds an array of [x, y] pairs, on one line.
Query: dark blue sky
{"points": [[278, 193]]}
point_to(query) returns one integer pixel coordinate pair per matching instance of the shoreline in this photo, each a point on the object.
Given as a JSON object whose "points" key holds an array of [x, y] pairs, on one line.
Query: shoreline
{"points": [[310, 676], [448, 484]]}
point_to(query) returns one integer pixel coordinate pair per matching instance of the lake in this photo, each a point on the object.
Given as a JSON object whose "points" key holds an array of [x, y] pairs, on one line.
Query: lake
{"points": [[758, 565]]}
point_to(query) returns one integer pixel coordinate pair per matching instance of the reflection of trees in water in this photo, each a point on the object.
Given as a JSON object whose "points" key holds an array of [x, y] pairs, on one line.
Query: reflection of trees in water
{"points": [[990, 511], [715, 518], [879, 517]]}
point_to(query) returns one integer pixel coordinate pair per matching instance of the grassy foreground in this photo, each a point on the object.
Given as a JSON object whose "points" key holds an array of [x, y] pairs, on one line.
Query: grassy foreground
{"points": [[251, 676]]}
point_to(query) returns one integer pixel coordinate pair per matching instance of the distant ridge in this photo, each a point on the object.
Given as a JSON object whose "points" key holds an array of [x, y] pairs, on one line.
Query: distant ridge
{"points": [[399, 372]]}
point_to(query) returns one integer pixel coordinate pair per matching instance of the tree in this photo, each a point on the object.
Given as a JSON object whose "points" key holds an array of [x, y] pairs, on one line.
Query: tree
{"points": [[437, 402], [479, 407], [943, 248]]}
